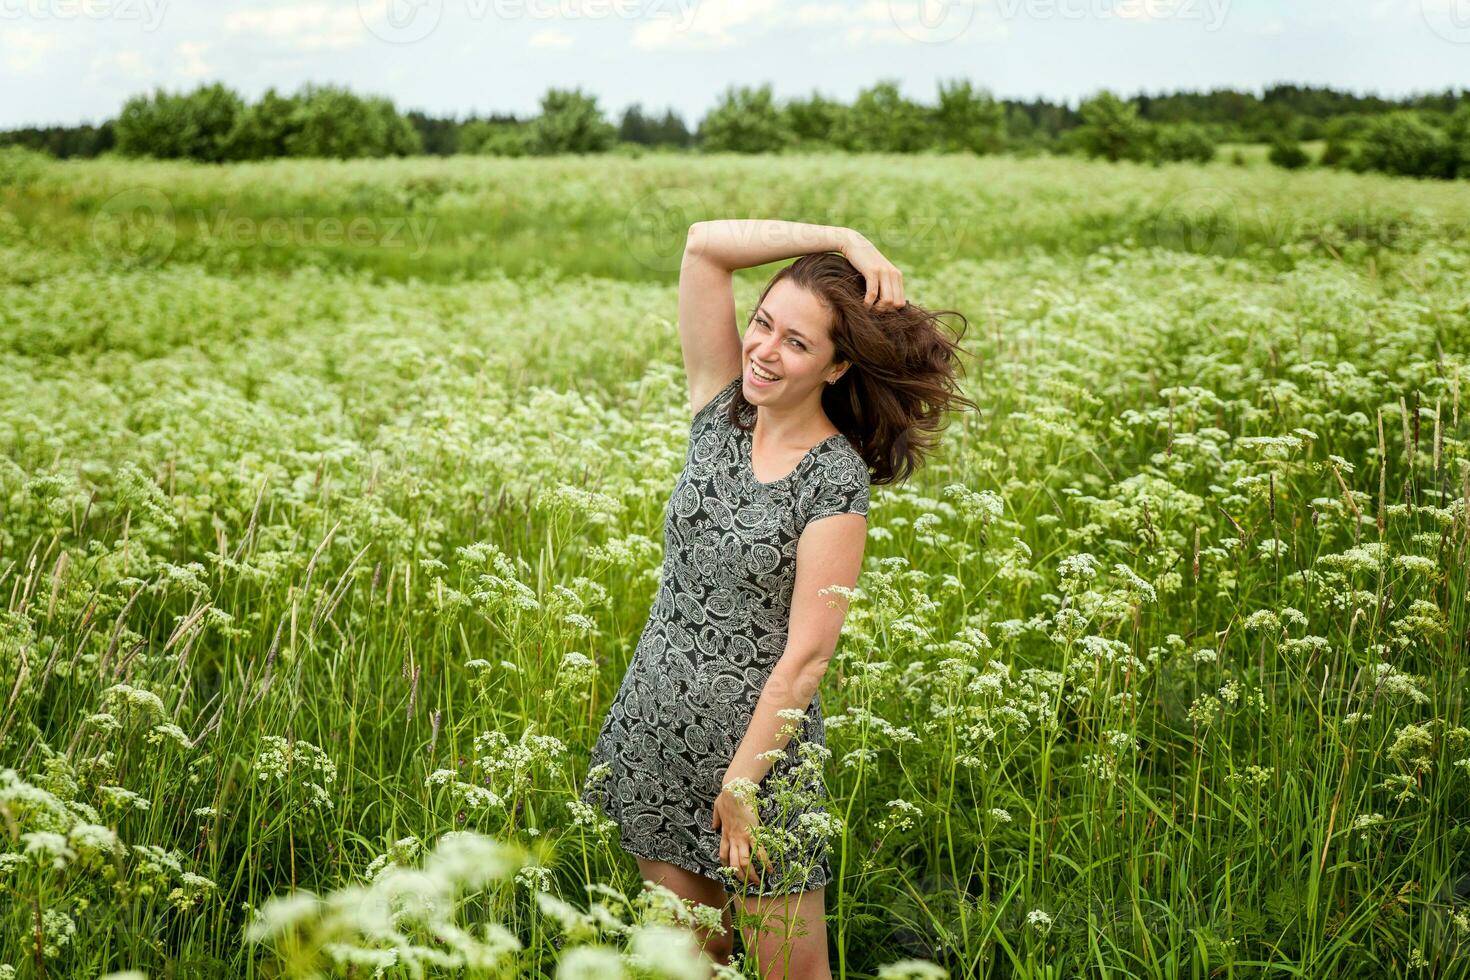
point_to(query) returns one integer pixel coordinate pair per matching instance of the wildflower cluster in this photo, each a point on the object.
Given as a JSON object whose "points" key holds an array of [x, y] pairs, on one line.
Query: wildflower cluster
{"points": [[299, 769], [402, 917]]}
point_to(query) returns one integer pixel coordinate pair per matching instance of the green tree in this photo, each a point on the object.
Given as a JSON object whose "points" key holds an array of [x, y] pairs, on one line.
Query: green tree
{"points": [[1457, 131], [883, 121], [648, 130], [64, 142], [1403, 143], [745, 120], [264, 127], [491, 137], [570, 122], [440, 137], [1337, 153], [1183, 141], [193, 126], [1111, 129], [332, 122], [815, 122], [1020, 127], [672, 130], [1288, 154], [152, 126], [635, 127], [213, 112], [967, 119]]}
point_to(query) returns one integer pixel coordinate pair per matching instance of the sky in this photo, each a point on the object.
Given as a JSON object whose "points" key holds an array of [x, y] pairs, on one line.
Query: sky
{"points": [[77, 61]]}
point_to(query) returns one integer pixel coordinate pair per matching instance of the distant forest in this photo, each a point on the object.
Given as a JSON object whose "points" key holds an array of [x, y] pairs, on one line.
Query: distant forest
{"points": [[1424, 135]]}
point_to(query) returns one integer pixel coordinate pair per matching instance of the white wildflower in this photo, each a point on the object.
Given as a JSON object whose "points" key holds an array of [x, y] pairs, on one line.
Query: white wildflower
{"points": [[48, 847], [589, 963], [169, 733], [122, 798], [670, 951], [912, 970]]}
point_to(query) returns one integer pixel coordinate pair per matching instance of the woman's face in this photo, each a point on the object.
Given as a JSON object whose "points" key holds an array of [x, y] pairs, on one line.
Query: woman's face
{"points": [[787, 338]]}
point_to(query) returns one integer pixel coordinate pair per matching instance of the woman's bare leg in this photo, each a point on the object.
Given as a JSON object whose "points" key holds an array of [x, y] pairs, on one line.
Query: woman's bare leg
{"points": [[791, 938], [706, 891]]}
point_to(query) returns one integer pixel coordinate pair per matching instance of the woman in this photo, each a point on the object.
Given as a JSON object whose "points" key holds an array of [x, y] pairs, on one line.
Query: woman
{"points": [[831, 389]]}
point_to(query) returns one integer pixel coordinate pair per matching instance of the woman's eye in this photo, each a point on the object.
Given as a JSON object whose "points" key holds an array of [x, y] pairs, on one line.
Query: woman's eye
{"points": [[763, 323]]}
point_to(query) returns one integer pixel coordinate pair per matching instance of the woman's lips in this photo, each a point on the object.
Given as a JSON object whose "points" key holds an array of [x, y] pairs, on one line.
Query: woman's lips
{"points": [[756, 379]]}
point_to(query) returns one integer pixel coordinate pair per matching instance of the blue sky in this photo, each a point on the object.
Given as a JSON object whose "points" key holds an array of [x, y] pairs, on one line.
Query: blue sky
{"points": [[71, 61]]}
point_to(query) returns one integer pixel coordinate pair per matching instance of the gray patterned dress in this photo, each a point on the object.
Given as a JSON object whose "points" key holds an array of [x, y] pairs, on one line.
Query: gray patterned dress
{"points": [[717, 627]]}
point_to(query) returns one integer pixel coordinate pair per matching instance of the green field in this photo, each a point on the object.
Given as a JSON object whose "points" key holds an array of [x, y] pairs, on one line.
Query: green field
{"points": [[317, 544]]}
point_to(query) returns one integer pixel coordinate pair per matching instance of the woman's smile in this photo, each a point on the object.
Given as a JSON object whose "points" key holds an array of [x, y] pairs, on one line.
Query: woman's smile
{"points": [[755, 376]]}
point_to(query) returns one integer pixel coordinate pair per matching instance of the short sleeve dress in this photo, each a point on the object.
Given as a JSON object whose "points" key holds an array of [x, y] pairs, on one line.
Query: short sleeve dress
{"points": [[717, 626]]}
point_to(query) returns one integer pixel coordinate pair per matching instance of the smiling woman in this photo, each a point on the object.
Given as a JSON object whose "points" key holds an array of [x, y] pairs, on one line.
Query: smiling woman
{"points": [[880, 371], [718, 627], [710, 757]]}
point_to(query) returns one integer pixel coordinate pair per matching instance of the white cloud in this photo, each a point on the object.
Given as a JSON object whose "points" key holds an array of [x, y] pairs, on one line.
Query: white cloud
{"points": [[710, 24], [193, 54], [724, 23], [909, 22], [24, 48], [550, 38], [305, 27], [1427, 8], [822, 13], [127, 65]]}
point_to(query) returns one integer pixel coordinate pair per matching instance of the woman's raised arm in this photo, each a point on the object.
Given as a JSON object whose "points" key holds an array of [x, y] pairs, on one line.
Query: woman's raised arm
{"points": [[739, 243], [708, 333]]}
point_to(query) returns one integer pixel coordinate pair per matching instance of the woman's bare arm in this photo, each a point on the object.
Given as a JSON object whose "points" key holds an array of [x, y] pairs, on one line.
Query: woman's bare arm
{"points": [[739, 243], [708, 332], [830, 552]]}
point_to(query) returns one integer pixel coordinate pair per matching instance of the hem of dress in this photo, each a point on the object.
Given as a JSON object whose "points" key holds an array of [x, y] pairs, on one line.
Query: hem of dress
{"points": [[681, 860], [654, 851]]}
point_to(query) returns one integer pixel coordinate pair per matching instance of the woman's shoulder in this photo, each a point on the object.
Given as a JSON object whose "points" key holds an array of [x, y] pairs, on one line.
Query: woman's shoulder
{"points": [[837, 460], [837, 482]]}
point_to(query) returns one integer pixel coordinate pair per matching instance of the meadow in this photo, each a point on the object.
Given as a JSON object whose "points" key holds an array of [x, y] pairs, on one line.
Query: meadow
{"points": [[330, 510]]}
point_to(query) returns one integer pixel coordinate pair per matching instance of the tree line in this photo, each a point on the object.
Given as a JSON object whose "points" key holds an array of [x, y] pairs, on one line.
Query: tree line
{"points": [[1423, 135]]}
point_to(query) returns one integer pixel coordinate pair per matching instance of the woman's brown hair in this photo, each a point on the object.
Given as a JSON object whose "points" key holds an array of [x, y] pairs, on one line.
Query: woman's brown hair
{"points": [[891, 402]]}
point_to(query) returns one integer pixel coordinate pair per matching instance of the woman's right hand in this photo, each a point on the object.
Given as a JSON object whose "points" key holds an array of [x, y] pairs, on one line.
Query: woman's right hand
{"points": [[885, 282], [734, 817]]}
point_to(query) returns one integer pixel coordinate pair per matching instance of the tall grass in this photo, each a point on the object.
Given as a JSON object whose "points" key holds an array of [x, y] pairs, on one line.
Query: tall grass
{"points": [[450, 219]]}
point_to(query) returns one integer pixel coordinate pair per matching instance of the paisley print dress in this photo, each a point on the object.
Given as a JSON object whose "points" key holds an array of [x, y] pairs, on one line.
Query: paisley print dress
{"points": [[717, 627]]}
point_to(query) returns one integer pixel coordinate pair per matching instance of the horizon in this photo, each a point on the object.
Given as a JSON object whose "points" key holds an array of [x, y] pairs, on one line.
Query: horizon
{"points": [[81, 60], [614, 113]]}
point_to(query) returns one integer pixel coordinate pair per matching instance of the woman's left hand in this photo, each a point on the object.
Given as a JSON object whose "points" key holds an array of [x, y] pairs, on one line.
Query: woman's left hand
{"points": [[735, 820], [885, 281]]}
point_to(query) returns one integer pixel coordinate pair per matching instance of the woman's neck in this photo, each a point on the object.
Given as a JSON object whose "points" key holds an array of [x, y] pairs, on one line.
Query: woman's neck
{"points": [[804, 426]]}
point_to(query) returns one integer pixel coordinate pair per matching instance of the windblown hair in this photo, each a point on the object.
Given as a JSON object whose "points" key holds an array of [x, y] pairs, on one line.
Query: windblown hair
{"points": [[891, 402]]}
